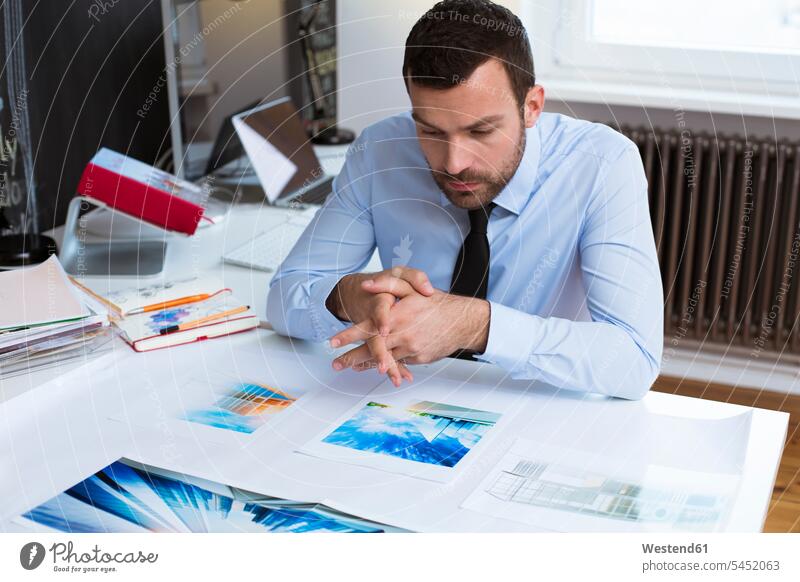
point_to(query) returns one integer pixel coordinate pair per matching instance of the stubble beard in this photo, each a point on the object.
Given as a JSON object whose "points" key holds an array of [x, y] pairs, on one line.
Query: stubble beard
{"points": [[491, 185]]}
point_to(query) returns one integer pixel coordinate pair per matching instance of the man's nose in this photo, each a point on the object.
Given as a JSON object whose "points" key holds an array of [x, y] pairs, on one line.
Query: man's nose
{"points": [[458, 158]]}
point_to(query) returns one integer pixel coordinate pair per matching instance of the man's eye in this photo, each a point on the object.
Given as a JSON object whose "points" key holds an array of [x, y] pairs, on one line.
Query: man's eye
{"points": [[430, 132], [480, 132]]}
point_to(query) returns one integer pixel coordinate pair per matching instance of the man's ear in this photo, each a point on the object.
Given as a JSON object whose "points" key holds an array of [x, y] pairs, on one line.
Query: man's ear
{"points": [[534, 104]]}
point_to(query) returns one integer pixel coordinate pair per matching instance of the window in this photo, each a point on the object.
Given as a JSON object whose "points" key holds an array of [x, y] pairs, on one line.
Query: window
{"points": [[772, 28], [727, 55]]}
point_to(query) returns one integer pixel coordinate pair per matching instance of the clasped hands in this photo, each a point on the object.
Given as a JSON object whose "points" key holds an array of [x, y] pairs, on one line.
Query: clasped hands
{"points": [[401, 319]]}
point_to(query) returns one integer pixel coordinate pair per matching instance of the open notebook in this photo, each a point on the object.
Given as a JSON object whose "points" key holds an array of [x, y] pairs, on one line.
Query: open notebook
{"points": [[187, 323]]}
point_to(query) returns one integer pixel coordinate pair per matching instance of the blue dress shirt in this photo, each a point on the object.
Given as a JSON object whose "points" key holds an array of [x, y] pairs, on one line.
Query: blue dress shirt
{"points": [[574, 282]]}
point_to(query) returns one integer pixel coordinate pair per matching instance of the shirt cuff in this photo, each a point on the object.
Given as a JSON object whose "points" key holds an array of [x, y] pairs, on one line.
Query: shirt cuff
{"points": [[325, 323], [513, 336]]}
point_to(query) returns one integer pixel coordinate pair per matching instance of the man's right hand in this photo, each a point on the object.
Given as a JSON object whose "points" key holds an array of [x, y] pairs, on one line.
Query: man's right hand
{"points": [[352, 301]]}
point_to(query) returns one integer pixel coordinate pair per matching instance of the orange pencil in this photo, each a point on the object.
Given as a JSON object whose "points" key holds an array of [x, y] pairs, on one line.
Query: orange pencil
{"points": [[203, 320], [168, 304]]}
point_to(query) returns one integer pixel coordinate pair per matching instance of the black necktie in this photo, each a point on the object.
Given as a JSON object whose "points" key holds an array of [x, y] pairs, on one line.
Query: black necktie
{"points": [[471, 271]]}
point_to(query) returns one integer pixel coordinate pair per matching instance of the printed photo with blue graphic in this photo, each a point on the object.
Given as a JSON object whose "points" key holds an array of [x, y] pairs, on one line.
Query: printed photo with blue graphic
{"points": [[426, 432], [242, 407], [124, 498]]}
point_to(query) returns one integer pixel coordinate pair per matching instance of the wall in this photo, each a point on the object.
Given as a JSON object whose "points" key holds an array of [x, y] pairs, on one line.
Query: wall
{"points": [[244, 56], [372, 37]]}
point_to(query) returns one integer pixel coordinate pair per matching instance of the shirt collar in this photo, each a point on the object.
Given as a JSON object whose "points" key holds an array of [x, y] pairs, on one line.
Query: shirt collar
{"points": [[519, 189]]}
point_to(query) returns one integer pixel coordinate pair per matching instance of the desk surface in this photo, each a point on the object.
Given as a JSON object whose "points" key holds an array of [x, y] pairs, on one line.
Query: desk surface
{"points": [[55, 435]]}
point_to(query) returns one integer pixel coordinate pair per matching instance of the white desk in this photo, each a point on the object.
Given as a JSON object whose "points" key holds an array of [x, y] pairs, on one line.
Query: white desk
{"points": [[53, 436]]}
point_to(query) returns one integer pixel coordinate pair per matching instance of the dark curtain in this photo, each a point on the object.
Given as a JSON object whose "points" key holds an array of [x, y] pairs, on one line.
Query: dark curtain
{"points": [[91, 69]]}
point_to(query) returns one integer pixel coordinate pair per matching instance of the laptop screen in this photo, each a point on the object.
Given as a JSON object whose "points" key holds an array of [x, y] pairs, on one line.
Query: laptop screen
{"points": [[280, 124], [227, 146]]}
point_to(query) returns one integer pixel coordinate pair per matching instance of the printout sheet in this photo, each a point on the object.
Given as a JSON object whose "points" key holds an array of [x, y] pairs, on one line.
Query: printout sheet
{"points": [[561, 489]]}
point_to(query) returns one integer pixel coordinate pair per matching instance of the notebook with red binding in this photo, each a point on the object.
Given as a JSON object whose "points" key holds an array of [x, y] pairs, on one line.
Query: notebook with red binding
{"points": [[175, 325]]}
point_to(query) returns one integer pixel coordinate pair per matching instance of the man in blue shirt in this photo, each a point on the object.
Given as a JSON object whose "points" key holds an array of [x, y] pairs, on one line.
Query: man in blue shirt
{"points": [[508, 235]]}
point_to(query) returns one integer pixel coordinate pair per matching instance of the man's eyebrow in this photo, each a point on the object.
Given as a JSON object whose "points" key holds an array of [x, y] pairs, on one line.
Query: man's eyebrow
{"points": [[415, 116], [489, 119]]}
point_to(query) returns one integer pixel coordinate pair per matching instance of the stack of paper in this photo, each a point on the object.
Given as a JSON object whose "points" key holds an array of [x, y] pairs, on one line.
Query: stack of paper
{"points": [[45, 320]]}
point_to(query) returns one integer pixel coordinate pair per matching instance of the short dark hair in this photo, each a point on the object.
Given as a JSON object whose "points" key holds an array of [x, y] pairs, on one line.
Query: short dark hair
{"points": [[455, 37]]}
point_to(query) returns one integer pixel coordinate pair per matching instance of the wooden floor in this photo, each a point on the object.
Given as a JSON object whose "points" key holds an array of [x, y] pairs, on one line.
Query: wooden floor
{"points": [[784, 510]]}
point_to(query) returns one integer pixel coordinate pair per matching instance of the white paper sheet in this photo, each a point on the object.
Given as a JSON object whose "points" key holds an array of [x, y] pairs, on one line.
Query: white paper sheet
{"points": [[564, 489], [430, 430]]}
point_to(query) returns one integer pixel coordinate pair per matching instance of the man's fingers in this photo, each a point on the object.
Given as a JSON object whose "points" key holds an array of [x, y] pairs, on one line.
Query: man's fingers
{"points": [[383, 358], [385, 283], [392, 282], [381, 317], [359, 332], [404, 371], [353, 358], [394, 374], [418, 279]]}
